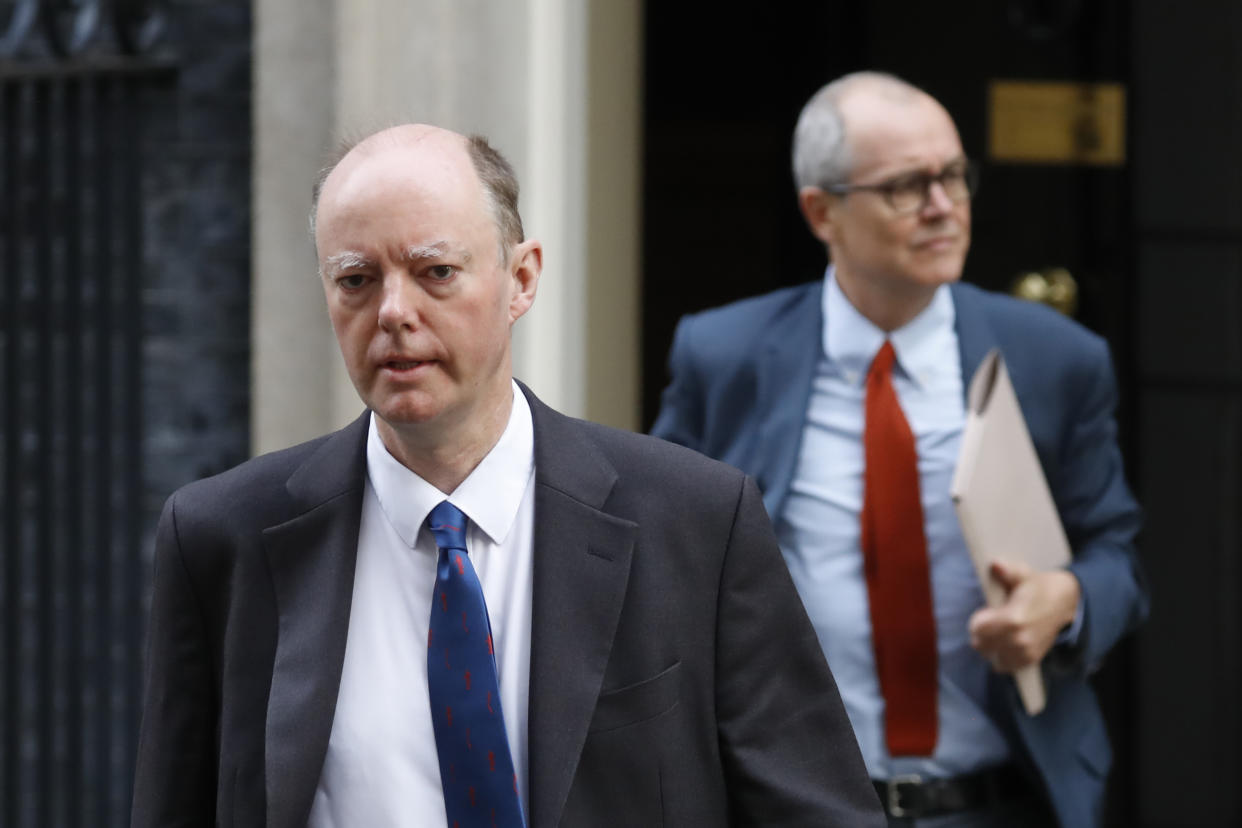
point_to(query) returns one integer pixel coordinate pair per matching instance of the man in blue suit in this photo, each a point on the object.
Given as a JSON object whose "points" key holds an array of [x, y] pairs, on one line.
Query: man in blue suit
{"points": [[790, 387]]}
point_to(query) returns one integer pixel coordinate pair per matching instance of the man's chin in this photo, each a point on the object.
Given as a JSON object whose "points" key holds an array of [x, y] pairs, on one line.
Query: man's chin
{"points": [[940, 273], [402, 414]]}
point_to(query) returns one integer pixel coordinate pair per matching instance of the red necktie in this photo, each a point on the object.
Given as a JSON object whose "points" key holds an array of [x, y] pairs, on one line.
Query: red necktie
{"points": [[903, 628]]}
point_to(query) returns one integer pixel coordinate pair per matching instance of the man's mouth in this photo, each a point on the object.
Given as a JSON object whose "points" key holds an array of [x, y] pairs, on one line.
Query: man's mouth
{"points": [[937, 243]]}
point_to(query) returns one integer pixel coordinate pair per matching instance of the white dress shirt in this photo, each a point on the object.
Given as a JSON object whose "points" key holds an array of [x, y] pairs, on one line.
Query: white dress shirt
{"points": [[381, 767], [819, 529]]}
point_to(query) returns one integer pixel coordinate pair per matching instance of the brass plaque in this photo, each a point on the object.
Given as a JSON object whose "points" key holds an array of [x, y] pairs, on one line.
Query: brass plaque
{"points": [[1057, 123]]}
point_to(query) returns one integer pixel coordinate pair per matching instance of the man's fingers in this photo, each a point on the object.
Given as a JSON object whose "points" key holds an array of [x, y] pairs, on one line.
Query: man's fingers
{"points": [[1008, 574], [999, 636], [1020, 631], [988, 629]]}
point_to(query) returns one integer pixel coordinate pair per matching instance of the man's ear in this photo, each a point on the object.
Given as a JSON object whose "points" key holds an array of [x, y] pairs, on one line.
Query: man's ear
{"points": [[819, 210], [525, 265]]}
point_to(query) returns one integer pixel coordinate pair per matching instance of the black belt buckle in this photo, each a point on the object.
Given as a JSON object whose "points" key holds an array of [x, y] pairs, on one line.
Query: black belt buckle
{"points": [[892, 795]]}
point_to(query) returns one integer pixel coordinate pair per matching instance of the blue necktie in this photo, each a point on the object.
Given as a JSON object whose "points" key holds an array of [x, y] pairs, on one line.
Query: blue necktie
{"points": [[476, 769]]}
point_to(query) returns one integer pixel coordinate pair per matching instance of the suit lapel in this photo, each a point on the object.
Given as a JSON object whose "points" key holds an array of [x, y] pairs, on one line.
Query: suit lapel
{"points": [[974, 335], [311, 558], [581, 568], [786, 371]]}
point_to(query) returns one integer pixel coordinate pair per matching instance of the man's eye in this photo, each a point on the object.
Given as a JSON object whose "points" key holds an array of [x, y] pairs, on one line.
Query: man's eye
{"points": [[909, 185], [954, 174], [442, 272], [352, 281]]}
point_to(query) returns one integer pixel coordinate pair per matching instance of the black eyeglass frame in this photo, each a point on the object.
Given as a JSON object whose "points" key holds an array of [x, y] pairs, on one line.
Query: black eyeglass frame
{"points": [[969, 172]]}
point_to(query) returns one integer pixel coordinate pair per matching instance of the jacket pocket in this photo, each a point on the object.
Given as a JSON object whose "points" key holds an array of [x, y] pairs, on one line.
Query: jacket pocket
{"points": [[638, 702]]}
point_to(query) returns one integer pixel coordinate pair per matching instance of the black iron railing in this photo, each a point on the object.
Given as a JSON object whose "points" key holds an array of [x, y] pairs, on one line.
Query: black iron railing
{"points": [[71, 79]]}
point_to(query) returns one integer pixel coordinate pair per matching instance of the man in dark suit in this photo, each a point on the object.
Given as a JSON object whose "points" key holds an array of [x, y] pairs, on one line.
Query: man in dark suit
{"points": [[820, 391], [647, 659]]}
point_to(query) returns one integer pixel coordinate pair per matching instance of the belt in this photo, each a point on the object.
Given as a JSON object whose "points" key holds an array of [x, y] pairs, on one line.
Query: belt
{"points": [[915, 797]]}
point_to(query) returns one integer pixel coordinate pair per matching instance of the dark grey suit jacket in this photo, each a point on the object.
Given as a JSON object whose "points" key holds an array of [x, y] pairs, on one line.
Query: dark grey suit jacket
{"points": [[674, 676]]}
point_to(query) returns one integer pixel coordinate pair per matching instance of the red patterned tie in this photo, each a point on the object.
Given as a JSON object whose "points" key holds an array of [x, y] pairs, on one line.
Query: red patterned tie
{"points": [[903, 628]]}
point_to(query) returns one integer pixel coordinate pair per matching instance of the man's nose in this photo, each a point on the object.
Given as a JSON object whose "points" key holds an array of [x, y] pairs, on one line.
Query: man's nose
{"points": [[398, 302], [938, 200]]}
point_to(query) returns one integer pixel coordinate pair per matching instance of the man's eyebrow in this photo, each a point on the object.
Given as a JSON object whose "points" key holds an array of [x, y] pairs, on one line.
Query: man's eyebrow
{"points": [[435, 250], [922, 169], [344, 261]]}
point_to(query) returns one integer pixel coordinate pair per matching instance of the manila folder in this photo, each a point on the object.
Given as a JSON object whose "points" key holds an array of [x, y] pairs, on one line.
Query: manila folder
{"points": [[1002, 500]]}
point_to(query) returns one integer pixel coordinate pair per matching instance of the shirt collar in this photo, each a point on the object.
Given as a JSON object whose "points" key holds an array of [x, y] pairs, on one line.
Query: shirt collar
{"points": [[489, 496], [851, 340]]}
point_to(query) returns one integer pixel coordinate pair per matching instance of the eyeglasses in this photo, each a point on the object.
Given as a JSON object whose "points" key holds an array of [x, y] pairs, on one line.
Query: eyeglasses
{"points": [[910, 193]]}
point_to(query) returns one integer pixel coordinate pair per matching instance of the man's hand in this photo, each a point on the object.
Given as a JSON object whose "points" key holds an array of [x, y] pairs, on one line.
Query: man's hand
{"points": [[1023, 629]]}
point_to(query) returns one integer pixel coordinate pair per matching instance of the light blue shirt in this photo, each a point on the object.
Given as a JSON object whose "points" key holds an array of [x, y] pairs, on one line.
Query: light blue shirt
{"points": [[818, 529]]}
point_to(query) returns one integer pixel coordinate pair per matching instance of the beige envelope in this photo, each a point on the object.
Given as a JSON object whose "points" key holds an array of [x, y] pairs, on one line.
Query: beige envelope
{"points": [[1002, 499]]}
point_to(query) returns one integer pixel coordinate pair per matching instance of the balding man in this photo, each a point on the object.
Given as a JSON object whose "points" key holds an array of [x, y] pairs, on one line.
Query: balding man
{"points": [[845, 399], [465, 609]]}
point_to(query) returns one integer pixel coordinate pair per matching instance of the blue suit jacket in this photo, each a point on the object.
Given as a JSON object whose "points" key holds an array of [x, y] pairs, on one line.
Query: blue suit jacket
{"points": [[740, 385]]}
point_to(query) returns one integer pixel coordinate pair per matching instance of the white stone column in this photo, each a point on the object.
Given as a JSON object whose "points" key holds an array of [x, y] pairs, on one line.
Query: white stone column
{"points": [[553, 84], [550, 342], [293, 352], [613, 196]]}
